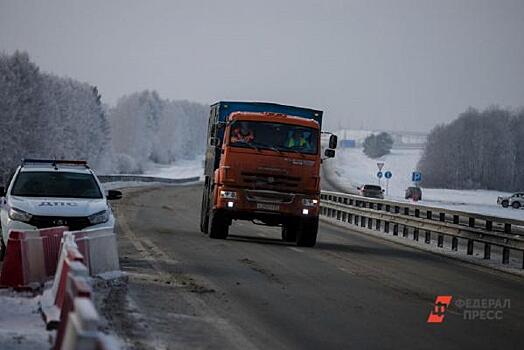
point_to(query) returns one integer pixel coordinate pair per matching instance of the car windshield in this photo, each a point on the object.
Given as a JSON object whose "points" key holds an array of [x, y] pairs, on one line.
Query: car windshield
{"points": [[372, 188], [55, 184], [276, 136]]}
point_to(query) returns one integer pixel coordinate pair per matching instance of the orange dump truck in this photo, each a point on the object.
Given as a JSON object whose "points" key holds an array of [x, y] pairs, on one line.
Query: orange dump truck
{"points": [[263, 165]]}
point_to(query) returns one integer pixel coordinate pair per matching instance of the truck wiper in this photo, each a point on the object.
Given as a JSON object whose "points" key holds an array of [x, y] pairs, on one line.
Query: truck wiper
{"points": [[249, 144], [295, 151], [273, 148]]}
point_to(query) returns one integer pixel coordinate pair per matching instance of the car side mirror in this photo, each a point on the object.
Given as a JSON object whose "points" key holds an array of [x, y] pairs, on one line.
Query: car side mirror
{"points": [[358, 188], [214, 141], [329, 153], [383, 191], [333, 141], [114, 194]]}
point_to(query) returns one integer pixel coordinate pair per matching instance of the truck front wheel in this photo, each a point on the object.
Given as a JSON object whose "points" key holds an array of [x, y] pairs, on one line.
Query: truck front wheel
{"points": [[204, 218], [289, 230], [307, 234], [2, 248], [219, 225]]}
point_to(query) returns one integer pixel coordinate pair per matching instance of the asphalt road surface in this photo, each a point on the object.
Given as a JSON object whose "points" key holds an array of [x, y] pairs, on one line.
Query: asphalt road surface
{"points": [[253, 291]]}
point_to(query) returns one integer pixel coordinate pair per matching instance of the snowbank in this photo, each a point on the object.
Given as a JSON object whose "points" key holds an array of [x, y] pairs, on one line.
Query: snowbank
{"points": [[21, 324], [180, 170]]}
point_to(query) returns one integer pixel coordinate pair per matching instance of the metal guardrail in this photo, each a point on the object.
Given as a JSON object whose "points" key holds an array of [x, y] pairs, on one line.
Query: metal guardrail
{"points": [[470, 227], [140, 178]]}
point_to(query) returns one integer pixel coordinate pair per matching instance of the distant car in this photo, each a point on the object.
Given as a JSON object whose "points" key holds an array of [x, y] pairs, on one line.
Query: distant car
{"points": [[414, 193], [516, 200], [371, 191], [47, 193]]}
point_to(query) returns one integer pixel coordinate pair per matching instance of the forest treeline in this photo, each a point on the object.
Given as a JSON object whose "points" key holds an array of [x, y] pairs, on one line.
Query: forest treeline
{"points": [[478, 150], [46, 116]]}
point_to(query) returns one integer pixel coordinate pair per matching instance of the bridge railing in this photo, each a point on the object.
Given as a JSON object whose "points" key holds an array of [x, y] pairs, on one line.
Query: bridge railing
{"points": [[433, 222]]}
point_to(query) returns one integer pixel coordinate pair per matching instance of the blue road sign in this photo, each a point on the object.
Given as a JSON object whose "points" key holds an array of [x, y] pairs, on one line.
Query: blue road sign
{"points": [[416, 176], [379, 174], [388, 174]]}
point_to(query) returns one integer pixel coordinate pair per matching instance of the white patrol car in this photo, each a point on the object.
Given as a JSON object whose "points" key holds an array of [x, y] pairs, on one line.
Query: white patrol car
{"points": [[47, 193]]}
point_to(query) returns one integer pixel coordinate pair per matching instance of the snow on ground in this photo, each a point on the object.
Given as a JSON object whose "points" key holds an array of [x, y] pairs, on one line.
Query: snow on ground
{"points": [[353, 168], [21, 324], [179, 170]]}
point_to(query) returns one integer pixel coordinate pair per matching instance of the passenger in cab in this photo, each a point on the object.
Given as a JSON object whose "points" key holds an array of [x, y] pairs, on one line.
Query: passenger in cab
{"points": [[298, 140]]}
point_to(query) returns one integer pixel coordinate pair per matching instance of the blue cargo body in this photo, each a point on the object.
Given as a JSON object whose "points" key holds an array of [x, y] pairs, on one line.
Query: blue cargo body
{"points": [[223, 109]]}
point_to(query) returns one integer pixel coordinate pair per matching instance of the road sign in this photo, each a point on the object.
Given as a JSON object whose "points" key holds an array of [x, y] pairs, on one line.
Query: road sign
{"points": [[388, 174], [380, 165], [379, 174], [416, 176]]}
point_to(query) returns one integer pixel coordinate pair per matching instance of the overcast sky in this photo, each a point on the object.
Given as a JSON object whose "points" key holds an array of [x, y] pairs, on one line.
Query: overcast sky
{"points": [[373, 64]]}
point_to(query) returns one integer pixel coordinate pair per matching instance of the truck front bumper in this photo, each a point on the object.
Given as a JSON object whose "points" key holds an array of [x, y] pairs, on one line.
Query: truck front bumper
{"points": [[247, 204]]}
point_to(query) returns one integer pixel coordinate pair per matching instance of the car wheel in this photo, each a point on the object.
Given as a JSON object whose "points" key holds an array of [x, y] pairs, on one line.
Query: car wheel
{"points": [[515, 205], [505, 204]]}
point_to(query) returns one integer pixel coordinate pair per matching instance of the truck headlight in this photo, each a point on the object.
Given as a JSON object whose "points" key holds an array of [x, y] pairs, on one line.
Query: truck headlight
{"points": [[309, 202], [19, 215], [99, 218], [228, 194]]}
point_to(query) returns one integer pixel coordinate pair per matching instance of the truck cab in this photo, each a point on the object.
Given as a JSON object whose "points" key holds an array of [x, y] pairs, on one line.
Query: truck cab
{"points": [[263, 164]]}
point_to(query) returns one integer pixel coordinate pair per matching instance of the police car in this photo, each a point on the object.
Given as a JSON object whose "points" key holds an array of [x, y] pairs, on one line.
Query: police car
{"points": [[47, 193]]}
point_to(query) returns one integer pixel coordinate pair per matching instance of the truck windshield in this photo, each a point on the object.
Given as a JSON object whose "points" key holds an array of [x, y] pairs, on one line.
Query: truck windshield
{"points": [[276, 136], [55, 184]]}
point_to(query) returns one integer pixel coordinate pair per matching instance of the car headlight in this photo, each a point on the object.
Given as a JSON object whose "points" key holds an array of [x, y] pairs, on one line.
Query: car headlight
{"points": [[228, 194], [309, 202], [99, 218], [19, 215]]}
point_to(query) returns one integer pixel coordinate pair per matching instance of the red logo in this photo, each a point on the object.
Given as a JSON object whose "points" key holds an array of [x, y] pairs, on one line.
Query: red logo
{"points": [[441, 305]]}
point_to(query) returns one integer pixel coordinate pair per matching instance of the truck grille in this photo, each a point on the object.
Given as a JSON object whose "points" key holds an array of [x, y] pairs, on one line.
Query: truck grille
{"points": [[270, 180], [74, 223], [269, 197]]}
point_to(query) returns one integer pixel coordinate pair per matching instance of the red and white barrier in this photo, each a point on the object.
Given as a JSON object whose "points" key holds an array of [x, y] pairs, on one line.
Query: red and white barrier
{"points": [[70, 263], [31, 257], [77, 287], [81, 332], [99, 249]]}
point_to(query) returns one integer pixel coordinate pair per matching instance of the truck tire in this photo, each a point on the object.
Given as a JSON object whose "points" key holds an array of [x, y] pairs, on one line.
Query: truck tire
{"points": [[515, 205], [505, 203], [289, 231], [218, 225], [204, 217], [307, 235], [2, 249]]}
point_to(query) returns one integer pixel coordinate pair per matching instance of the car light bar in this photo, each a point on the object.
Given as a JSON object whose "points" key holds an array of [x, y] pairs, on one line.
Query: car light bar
{"points": [[54, 162]]}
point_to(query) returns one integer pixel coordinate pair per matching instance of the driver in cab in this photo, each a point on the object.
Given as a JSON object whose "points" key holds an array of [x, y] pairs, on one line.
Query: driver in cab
{"points": [[297, 140], [242, 133]]}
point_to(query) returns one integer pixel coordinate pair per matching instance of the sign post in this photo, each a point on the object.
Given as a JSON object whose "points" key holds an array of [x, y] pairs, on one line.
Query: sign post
{"points": [[388, 175], [416, 177], [379, 176]]}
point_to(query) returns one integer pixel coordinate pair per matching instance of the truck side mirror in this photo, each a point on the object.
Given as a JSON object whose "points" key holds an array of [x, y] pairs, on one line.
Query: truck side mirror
{"points": [[333, 141], [214, 141], [2, 191], [329, 153]]}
